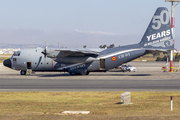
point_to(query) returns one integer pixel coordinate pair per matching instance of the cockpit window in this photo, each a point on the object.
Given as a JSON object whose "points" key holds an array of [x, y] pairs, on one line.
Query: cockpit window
{"points": [[11, 57], [16, 53]]}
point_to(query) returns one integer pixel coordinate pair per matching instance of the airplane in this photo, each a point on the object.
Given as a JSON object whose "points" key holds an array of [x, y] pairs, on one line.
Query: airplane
{"points": [[158, 37]]}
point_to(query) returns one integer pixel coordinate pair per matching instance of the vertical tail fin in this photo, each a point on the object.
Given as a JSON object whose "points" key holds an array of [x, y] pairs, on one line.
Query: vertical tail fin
{"points": [[158, 34]]}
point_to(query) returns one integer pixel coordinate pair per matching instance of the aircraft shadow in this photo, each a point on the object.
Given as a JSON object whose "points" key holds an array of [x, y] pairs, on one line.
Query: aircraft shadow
{"points": [[55, 75], [120, 75], [68, 75]]}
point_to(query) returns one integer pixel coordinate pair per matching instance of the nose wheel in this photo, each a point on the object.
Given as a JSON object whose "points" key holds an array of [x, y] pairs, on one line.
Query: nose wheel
{"points": [[23, 72]]}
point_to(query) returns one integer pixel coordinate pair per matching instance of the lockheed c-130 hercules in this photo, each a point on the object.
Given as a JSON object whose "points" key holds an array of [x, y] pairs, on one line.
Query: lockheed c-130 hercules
{"points": [[158, 37]]}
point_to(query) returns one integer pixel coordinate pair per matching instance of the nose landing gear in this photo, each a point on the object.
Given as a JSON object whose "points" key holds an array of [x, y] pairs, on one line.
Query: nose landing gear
{"points": [[23, 72]]}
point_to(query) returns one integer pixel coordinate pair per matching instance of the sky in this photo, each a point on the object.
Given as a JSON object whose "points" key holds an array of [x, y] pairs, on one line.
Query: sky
{"points": [[74, 23]]}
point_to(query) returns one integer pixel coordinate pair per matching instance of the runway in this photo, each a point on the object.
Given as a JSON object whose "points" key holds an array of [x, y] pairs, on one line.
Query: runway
{"points": [[144, 79], [64, 83]]}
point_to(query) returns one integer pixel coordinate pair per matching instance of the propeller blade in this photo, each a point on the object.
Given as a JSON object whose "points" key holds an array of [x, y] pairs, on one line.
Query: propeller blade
{"points": [[44, 52]]}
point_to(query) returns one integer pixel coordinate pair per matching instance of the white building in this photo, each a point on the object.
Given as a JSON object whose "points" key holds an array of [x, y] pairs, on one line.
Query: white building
{"points": [[8, 50]]}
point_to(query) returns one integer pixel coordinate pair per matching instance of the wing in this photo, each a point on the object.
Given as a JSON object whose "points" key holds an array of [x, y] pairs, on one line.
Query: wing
{"points": [[58, 53], [79, 52]]}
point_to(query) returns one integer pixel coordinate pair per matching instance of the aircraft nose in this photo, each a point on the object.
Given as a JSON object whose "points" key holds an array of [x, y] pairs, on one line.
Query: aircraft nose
{"points": [[7, 63]]}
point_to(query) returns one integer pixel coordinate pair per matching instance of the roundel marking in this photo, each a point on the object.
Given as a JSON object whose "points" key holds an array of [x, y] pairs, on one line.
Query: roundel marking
{"points": [[113, 58]]}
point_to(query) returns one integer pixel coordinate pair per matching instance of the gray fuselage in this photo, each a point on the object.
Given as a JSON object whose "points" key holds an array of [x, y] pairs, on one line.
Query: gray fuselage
{"points": [[107, 59]]}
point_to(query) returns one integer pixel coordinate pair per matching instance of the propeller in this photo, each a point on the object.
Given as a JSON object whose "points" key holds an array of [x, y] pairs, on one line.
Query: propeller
{"points": [[44, 51]]}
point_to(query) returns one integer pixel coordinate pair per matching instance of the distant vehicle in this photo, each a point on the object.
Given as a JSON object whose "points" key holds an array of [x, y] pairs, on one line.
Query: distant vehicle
{"points": [[128, 68]]}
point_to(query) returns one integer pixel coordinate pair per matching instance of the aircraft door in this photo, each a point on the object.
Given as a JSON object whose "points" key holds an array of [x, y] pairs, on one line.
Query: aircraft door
{"points": [[14, 62], [102, 64], [29, 67]]}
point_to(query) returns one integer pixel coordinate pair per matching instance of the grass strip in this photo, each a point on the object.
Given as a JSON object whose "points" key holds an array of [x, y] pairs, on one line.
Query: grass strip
{"points": [[102, 105]]}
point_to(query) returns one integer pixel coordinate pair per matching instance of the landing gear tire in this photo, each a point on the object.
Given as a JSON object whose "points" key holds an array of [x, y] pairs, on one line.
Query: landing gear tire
{"points": [[87, 73], [74, 73], [23, 72], [84, 73], [71, 73]]}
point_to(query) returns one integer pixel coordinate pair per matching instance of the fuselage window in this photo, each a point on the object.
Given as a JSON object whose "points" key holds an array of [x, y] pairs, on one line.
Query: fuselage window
{"points": [[14, 59]]}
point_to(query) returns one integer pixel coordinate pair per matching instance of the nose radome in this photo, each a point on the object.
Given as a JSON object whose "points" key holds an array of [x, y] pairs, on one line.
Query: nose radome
{"points": [[7, 63]]}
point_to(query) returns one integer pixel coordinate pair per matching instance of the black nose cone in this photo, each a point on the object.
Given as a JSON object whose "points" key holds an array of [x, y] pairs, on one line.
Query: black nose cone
{"points": [[7, 63]]}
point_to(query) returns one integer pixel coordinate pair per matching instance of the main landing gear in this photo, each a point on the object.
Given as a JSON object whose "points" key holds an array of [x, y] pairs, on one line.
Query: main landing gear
{"points": [[85, 73]]}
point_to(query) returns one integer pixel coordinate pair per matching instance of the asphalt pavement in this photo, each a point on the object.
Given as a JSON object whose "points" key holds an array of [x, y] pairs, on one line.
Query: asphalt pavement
{"points": [[142, 80]]}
